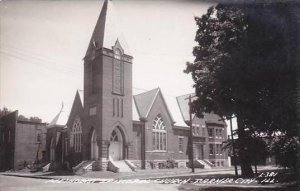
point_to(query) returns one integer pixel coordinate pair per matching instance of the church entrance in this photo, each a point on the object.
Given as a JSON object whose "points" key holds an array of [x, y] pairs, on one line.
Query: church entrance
{"points": [[199, 151], [52, 150], [116, 145], [94, 146]]}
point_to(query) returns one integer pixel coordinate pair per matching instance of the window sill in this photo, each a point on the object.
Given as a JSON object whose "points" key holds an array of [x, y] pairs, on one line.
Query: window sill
{"points": [[118, 94], [156, 151]]}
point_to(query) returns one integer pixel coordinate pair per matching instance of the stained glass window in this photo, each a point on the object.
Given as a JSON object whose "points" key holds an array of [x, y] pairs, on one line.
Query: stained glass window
{"points": [[159, 134], [76, 135]]}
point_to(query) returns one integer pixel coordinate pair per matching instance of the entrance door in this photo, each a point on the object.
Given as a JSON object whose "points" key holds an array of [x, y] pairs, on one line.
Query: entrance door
{"points": [[200, 152], [52, 150], [115, 148], [94, 146]]}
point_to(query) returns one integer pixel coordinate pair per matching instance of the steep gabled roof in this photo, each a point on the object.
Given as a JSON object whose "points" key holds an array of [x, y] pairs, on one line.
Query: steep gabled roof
{"points": [[175, 111], [135, 115], [106, 31], [144, 102], [62, 116], [183, 103], [80, 93], [59, 120]]}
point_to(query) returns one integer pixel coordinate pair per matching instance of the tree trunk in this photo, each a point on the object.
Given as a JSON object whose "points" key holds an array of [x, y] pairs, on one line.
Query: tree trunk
{"points": [[244, 156]]}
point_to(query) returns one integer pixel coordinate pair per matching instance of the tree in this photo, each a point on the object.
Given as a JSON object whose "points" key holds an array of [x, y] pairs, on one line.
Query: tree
{"points": [[245, 66], [257, 147], [6, 111], [284, 149]]}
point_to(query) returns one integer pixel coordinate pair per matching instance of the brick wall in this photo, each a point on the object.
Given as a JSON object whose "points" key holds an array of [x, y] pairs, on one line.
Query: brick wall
{"points": [[8, 125], [27, 144]]}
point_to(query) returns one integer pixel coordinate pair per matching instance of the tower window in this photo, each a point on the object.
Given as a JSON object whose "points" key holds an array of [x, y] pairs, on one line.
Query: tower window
{"points": [[122, 107], [118, 54], [118, 108], [118, 73], [113, 107], [93, 77]]}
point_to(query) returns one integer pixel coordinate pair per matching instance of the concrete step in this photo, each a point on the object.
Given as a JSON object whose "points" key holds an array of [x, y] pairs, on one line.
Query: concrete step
{"points": [[123, 167], [83, 167], [208, 162], [206, 166]]}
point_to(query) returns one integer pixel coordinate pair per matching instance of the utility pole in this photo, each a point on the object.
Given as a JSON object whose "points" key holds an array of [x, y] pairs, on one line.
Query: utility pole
{"points": [[143, 144], [37, 153], [233, 149], [191, 136]]}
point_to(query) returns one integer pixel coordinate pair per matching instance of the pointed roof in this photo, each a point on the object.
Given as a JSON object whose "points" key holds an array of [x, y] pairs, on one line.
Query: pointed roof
{"points": [[59, 120], [175, 111], [183, 103], [80, 94], [135, 115], [106, 31], [144, 102]]}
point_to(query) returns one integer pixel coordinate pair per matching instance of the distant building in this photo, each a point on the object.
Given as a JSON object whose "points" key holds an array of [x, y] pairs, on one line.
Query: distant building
{"points": [[21, 142], [109, 126]]}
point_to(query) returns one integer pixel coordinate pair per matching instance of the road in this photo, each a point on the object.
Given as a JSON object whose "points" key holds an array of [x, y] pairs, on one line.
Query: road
{"points": [[11, 183]]}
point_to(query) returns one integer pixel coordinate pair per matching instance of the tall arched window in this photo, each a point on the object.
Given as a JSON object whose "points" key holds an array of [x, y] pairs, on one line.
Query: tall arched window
{"points": [[76, 135], [118, 73], [118, 54], [159, 134]]}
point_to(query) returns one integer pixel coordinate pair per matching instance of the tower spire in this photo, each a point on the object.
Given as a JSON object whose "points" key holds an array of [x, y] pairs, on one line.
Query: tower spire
{"points": [[106, 31]]}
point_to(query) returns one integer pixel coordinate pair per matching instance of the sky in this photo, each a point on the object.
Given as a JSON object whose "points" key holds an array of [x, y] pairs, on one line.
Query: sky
{"points": [[42, 44]]}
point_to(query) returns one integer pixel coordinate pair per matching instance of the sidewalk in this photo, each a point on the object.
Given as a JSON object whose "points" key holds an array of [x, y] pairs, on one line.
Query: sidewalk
{"points": [[139, 174]]}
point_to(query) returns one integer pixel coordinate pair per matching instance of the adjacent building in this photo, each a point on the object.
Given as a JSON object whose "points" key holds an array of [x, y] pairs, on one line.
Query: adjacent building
{"points": [[21, 142]]}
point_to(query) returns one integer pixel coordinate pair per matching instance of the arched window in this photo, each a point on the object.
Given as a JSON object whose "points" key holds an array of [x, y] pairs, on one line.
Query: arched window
{"points": [[159, 134], [76, 135], [114, 136], [118, 54], [118, 73]]}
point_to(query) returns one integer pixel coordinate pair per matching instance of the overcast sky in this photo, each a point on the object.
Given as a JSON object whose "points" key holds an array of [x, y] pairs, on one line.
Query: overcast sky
{"points": [[42, 44]]}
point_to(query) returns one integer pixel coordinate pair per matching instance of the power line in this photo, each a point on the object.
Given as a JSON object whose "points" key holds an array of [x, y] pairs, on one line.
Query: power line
{"points": [[39, 63], [38, 56]]}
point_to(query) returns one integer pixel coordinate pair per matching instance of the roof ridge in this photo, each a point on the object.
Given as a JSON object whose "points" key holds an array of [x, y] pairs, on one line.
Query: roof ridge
{"points": [[146, 92], [185, 95]]}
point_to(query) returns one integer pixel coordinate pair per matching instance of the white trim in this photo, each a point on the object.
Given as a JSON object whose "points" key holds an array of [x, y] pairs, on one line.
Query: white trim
{"points": [[156, 151]]}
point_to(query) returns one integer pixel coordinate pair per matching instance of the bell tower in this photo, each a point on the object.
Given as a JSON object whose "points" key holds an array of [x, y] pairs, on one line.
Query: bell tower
{"points": [[107, 91]]}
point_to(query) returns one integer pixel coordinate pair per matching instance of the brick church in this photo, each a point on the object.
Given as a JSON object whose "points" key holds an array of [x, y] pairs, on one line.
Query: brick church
{"points": [[110, 127]]}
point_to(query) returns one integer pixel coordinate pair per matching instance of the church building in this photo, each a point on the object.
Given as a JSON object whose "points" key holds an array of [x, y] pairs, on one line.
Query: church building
{"points": [[110, 127]]}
